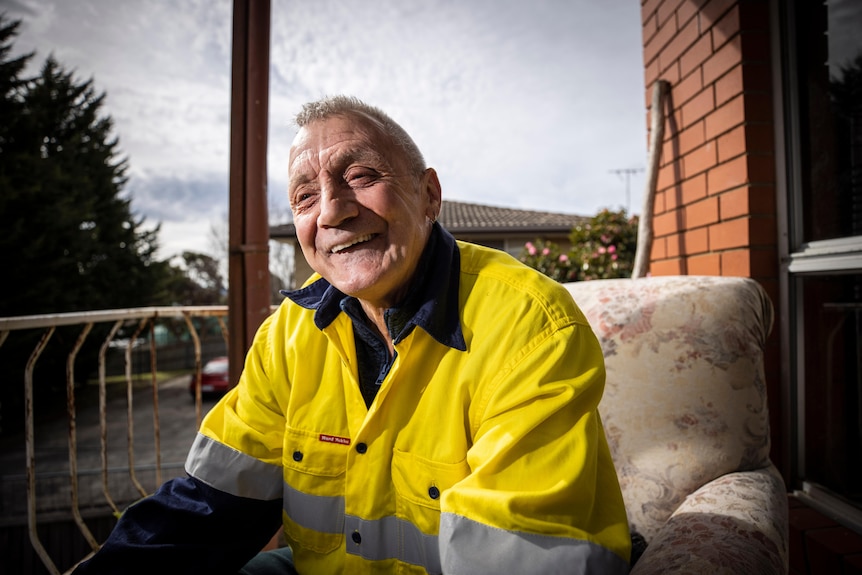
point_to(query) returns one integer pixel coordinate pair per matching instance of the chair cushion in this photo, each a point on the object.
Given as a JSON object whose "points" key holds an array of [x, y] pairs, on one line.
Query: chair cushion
{"points": [[685, 397]]}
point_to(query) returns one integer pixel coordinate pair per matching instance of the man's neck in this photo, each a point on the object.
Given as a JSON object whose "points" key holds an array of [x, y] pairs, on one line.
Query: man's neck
{"points": [[377, 319]]}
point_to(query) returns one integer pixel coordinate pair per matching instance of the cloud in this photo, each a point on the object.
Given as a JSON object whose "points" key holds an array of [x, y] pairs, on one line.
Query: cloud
{"points": [[185, 209], [513, 102], [165, 69], [16, 7], [162, 198], [178, 237]]}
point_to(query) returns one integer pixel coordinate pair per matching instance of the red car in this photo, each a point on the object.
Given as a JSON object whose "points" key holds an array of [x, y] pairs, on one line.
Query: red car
{"points": [[214, 378]]}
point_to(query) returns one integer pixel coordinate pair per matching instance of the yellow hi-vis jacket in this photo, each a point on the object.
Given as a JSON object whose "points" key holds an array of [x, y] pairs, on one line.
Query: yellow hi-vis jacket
{"points": [[489, 460]]}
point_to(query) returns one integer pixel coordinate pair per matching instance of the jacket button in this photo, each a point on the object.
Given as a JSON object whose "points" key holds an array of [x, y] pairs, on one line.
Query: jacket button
{"points": [[361, 448], [433, 492], [297, 456], [357, 538]]}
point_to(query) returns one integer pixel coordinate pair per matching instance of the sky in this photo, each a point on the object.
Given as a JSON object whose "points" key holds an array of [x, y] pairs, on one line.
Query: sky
{"points": [[527, 104]]}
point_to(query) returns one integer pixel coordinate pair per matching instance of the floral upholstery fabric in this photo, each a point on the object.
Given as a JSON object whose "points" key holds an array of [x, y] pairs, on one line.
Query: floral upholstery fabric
{"points": [[685, 415]]}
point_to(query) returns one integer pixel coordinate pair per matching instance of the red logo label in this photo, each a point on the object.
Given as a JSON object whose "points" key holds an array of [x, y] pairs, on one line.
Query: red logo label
{"points": [[334, 439]]}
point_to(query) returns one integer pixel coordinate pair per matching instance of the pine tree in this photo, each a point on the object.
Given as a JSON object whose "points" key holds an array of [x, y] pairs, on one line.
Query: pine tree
{"points": [[70, 240]]}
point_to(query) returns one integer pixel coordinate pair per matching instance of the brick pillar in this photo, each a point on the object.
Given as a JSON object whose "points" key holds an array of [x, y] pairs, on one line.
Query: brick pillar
{"points": [[715, 208]]}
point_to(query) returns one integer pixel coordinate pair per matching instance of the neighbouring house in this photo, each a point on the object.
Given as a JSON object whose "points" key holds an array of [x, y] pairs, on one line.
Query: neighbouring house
{"points": [[506, 229]]}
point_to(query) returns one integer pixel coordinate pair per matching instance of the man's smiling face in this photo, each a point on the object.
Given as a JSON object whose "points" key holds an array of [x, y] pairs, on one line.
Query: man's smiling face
{"points": [[361, 215]]}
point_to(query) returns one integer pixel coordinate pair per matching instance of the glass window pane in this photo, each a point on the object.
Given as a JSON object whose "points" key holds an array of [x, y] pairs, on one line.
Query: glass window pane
{"points": [[829, 58], [833, 383]]}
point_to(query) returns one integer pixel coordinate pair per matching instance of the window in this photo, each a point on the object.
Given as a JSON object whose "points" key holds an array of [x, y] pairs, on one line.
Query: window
{"points": [[833, 404], [822, 101]]}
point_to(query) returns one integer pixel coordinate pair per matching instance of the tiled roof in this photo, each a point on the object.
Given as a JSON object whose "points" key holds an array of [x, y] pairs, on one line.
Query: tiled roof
{"points": [[463, 217], [459, 217]]}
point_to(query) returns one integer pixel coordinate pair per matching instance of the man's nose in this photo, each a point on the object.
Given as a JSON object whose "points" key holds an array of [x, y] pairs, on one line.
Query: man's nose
{"points": [[337, 202]]}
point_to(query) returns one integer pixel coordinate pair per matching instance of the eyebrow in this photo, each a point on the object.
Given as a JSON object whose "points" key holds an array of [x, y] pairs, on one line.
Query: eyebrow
{"points": [[343, 158], [361, 155]]}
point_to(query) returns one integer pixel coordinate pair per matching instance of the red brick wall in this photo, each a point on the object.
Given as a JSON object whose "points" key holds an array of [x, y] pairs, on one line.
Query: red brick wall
{"points": [[715, 208], [715, 202]]}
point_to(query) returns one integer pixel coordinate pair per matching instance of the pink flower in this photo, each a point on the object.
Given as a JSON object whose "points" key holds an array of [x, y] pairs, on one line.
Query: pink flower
{"points": [[614, 257], [564, 258], [612, 249], [546, 251], [602, 250], [531, 249]]}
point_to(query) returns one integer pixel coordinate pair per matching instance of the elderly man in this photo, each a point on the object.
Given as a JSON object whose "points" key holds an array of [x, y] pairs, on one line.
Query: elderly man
{"points": [[421, 405]]}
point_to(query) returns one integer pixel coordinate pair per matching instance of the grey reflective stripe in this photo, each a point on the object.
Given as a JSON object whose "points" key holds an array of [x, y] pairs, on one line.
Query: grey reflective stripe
{"points": [[392, 538], [387, 538], [223, 467], [317, 512], [471, 548]]}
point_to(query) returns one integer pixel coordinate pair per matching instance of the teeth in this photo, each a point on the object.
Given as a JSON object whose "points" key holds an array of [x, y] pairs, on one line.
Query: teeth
{"points": [[353, 242]]}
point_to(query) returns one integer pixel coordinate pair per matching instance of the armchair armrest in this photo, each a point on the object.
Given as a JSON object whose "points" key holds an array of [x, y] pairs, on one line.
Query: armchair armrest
{"points": [[733, 524]]}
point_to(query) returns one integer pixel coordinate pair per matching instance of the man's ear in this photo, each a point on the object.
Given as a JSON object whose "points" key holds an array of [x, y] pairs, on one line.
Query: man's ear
{"points": [[430, 186]]}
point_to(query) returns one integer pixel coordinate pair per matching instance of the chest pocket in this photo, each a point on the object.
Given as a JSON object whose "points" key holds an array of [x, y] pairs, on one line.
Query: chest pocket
{"points": [[419, 486], [314, 490]]}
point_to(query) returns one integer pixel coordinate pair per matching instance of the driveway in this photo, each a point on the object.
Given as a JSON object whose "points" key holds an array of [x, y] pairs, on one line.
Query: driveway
{"points": [[177, 430]]}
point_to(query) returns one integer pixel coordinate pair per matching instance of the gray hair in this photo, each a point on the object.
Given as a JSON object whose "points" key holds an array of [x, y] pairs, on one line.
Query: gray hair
{"points": [[348, 105]]}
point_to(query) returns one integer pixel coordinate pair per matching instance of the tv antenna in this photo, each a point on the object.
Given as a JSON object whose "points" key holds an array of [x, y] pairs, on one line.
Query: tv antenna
{"points": [[628, 173]]}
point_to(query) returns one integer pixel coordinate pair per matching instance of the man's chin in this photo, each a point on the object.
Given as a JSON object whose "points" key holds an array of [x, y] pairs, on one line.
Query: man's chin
{"points": [[352, 286]]}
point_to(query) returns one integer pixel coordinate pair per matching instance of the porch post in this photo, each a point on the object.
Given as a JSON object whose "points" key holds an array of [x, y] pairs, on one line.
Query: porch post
{"points": [[248, 243]]}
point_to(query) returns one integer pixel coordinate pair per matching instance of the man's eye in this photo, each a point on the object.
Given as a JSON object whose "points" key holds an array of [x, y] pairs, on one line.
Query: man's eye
{"points": [[359, 178], [302, 198]]}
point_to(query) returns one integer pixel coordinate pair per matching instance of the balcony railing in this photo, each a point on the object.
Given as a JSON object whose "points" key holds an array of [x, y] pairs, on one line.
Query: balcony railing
{"points": [[126, 331]]}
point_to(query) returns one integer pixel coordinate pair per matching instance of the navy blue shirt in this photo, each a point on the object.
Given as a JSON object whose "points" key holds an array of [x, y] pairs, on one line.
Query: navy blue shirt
{"points": [[431, 304]]}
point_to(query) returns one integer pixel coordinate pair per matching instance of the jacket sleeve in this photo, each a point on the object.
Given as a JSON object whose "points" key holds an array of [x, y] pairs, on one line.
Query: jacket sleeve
{"points": [[542, 495], [186, 527]]}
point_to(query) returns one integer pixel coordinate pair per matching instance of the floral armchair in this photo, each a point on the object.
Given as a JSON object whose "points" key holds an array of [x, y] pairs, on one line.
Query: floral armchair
{"points": [[685, 414]]}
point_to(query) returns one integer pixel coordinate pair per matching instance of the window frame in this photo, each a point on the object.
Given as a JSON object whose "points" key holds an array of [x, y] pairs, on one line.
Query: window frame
{"points": [[799, 260]]}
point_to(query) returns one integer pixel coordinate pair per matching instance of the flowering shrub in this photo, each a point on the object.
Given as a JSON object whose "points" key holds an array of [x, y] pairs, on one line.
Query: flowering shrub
{"points": [[602, 248], [547, 258]]}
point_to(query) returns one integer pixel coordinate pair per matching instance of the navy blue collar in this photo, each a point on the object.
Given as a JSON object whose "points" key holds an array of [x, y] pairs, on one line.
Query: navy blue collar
{"points": [[431, 303]]}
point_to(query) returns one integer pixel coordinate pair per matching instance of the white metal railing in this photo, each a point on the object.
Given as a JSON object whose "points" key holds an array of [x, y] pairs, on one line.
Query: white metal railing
{"points": [[138, 320]]}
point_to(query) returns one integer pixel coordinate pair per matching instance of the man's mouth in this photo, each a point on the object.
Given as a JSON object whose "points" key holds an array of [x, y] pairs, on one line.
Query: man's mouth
{"points": [[357, 240]]}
